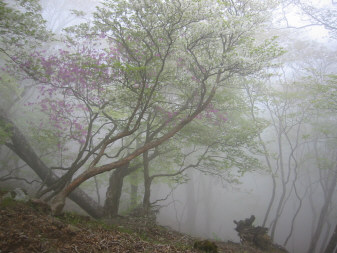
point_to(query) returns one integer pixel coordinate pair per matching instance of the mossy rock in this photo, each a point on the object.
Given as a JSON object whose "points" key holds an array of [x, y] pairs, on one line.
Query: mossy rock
{"points": [[206, 246]]}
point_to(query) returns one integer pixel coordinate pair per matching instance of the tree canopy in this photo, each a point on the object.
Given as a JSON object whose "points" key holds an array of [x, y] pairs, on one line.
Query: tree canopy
{"points": [[167, 62]]}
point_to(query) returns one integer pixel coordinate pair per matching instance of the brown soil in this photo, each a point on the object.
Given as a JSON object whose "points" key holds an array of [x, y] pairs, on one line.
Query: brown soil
{"points": [[29, 227]]}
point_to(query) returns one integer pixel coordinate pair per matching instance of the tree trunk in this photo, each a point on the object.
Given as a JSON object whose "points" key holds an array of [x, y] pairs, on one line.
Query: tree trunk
{"points": [[134, 190], [114, 190], [265, 152], [323, 214], [332, 243], [147, 195], [207, 197], [325, 237], [113, 193], [271, 201], [191, 206], [283, 183], [147, 183], [21, 147], [97, 191]]}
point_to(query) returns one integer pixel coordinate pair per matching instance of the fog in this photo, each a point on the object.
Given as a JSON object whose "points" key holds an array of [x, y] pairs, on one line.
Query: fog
{"points": [[198, 126]]}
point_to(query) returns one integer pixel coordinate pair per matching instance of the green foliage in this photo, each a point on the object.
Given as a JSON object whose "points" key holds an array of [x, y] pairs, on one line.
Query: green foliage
{"points": [[328, 91], [21, 23], [22, 28], [10, 90]]}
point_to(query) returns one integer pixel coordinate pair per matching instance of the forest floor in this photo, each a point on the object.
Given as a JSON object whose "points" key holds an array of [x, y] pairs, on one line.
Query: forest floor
{"points": [[29, 227]]}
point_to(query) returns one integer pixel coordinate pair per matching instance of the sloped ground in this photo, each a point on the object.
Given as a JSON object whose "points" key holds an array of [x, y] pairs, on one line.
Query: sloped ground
{"points": [[29, 227]]}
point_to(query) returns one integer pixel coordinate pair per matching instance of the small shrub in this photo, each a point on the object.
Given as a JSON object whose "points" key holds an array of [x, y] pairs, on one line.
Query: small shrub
{"points": [[206, 246]]}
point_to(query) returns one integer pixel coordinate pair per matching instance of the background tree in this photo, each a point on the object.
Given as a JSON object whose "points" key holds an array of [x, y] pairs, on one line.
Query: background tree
{"points": [[292, 101]]}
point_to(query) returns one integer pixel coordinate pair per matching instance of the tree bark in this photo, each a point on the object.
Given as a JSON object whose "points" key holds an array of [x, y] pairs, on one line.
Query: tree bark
{"points": [[147, 195], [21, 147], [134, 190], [114, 191], [147, 183]]}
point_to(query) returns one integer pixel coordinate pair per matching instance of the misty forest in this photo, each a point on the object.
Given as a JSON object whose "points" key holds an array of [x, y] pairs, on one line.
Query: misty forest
{"points": [[211, 122]]}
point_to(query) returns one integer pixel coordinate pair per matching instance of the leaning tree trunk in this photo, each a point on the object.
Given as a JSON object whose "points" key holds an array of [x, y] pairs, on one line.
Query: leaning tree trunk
{"points": [[332, 243], [21, 147]]}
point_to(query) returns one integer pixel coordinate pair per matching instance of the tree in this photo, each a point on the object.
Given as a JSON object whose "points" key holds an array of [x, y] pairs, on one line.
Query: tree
{"points": [[302, 56], [20, 146], [312, 14], [188, 49], [325, 17], [289, 107], [225, 134], [22, 31], [324, 154], [21, 25]]}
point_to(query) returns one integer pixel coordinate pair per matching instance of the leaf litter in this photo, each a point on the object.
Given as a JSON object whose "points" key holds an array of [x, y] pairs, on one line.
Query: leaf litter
{"points": [[29, 227]]}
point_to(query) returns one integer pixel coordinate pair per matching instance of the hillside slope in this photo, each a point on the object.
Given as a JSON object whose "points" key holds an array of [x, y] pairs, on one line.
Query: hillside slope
{"points": [[29, 227]]}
